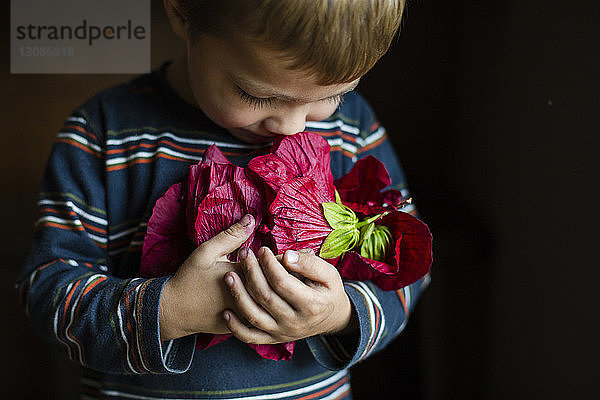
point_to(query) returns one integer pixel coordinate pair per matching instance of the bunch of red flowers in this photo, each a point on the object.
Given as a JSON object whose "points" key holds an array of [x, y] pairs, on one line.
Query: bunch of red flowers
{"points": [[291, 193]]}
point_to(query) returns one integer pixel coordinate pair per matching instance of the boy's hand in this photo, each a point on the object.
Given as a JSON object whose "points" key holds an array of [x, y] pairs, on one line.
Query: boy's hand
{"points": [[193, 300], [280, 307]]}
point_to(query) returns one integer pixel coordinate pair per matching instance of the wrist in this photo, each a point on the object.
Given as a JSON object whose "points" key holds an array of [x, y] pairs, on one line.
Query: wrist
{"points": [[168, 321]]}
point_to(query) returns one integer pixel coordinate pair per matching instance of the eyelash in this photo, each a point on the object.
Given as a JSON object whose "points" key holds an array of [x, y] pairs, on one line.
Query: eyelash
{"points": [[259, 103]]}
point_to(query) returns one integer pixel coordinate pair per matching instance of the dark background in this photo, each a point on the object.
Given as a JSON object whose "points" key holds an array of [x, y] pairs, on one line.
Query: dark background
{"points": [[493, 109]]}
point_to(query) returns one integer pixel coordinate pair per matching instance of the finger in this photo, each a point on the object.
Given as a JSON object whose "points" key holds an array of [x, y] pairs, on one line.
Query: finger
{"points": [[230, 239], [245, 305], [246, 334], [289, 287], [310, 266], [258, 286]]}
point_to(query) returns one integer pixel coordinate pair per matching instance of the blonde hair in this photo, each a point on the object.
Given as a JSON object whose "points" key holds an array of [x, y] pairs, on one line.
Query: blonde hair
{"points": [[336, 40]]}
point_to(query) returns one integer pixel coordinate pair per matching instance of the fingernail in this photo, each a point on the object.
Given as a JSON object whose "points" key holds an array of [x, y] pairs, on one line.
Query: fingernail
{"points": [[226, 316], [261, 251], [247, 220], [229, 280], [291, 256], [307, 251], [243, 253]]}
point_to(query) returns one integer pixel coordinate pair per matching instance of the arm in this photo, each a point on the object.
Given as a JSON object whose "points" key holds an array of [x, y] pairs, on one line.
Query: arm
{"points": [[68, 288]]}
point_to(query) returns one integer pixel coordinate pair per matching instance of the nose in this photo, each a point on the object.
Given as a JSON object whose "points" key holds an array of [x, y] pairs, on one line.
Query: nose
{"points": [[288, 122]]}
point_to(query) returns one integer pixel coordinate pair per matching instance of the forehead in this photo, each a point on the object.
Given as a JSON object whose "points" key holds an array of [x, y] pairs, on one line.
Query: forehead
{"points": [[267, 73]]}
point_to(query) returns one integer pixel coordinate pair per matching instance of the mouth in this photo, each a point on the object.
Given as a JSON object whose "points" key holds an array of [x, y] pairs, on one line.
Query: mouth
{"points": [[252, 137]]}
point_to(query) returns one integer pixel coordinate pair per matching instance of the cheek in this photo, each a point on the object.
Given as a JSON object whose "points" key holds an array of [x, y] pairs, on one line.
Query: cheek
{"points": [[321, 111], [236, 117]]}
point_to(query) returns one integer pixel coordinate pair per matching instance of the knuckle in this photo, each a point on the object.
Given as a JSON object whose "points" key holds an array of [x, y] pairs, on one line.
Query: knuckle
{"points": [[263, 295]]}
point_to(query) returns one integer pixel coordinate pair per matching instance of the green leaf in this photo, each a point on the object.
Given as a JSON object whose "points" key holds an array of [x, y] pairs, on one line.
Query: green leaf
{"points": [[339, 241], [338, 215], [338, 199]]}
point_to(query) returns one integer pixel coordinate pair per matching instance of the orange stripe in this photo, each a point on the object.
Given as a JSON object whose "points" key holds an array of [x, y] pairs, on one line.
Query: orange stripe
{"points": [[93, 228], [72, 213], [80, 129], [133, 355], [372, 145], [145, 161], [155, 144], [65, 227], [377, 318], [68, 300], [324, 391], [93, 285], [400, 294], [79, 145]]}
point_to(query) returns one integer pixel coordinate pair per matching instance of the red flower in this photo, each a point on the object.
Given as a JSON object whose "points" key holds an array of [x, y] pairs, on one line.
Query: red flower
{"points": [[411, 255], [292, 196]]}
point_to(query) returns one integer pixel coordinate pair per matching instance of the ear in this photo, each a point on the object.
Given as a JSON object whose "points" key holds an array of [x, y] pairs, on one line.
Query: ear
{"points": [[178, 22]]}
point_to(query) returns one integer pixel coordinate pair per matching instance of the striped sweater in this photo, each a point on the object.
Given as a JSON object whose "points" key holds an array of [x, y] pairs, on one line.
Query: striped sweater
{"points": [[81, 288]]}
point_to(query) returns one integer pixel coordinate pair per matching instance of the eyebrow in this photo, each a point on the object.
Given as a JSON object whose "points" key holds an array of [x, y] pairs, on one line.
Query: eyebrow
{"points": [[269, 92]]}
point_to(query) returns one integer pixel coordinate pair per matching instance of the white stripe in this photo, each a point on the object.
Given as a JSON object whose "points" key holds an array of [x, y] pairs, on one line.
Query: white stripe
{"points": [[344, 145], [124, 337], [373, 137], [337, 392], [332, 125], [148, 154], [77, 119], [204, 142], [280, 395], [403, 324], [77, 210], [97, 238], [55, 323], [81, 140], [76, 222], [73, 307], [374, 303], [123, 233], [49, 218], [378, 305], [165, 353], [371, 311]]}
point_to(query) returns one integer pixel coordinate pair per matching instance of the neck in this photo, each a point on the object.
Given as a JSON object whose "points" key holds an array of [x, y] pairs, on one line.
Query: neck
{"points": [[177, 79]]}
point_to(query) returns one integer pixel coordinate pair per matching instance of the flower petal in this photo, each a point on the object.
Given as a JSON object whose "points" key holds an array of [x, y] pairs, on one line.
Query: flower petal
{"points": [[226, 205], [213, 171], [363, 184], [298, 218], [166, 245], [302, 154], [410, 260], [277, 352]]}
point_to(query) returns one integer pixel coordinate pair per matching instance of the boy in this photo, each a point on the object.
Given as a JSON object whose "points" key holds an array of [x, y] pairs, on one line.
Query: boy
{"points": [[251, 70]]}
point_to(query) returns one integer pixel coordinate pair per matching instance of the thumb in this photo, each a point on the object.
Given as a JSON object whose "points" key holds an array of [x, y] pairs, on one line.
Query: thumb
{"points": [[230, 239]]}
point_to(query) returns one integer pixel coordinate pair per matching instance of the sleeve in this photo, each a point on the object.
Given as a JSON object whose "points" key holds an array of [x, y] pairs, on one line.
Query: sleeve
{"points": [[99, 320], [382, 315]]}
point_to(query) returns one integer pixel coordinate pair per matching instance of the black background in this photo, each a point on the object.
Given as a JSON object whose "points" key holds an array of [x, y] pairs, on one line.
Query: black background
{"points": [[493, 109]]}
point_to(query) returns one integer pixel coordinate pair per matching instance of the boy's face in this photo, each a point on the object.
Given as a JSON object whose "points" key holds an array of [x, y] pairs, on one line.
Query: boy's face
{"points": [[247, 90]]}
